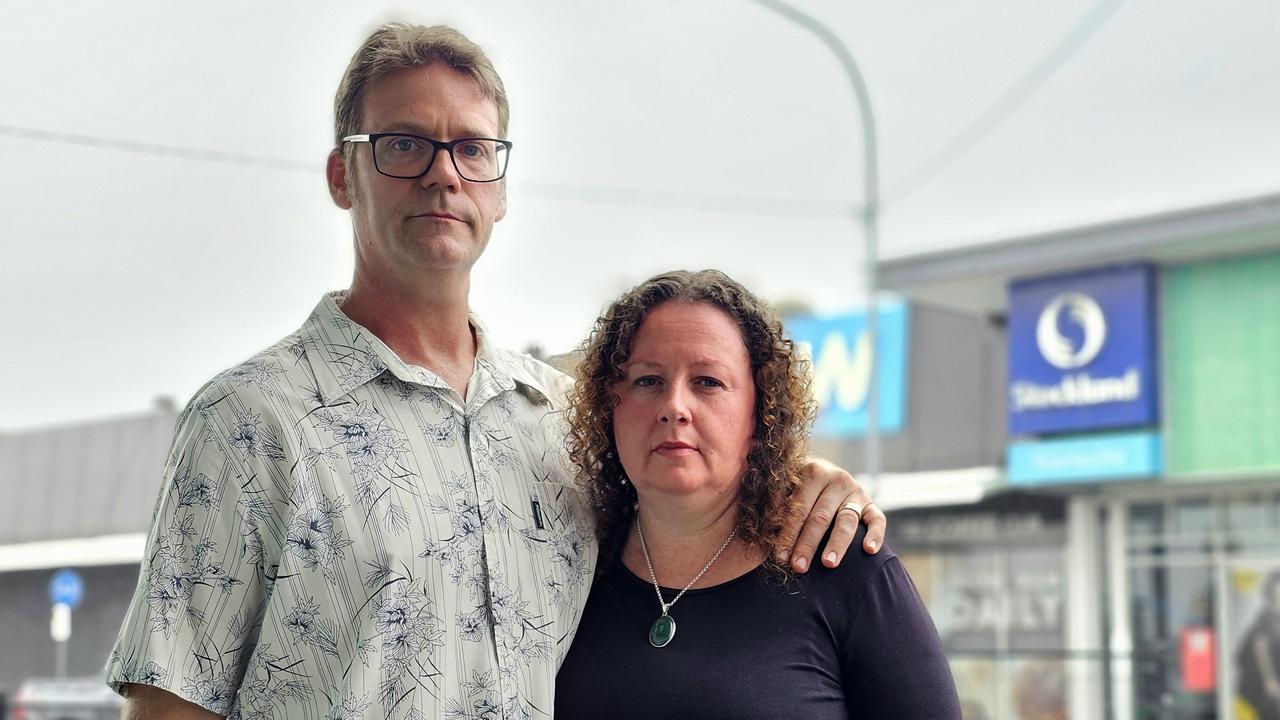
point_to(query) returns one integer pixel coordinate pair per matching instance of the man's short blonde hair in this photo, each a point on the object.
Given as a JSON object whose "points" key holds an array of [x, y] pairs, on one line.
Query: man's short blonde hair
{"points": [[397, 46]]}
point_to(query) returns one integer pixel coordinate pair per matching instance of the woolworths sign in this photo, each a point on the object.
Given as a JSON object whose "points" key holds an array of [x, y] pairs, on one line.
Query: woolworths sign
{"points": [[841, 352], [1081, 351]]}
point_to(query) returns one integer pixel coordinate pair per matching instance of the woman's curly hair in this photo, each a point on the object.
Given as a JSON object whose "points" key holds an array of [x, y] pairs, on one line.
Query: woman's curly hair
{"points": [[784, 409]]}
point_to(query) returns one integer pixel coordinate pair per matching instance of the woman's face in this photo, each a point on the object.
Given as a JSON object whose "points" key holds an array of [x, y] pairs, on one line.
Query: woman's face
{"points": [[686, 404]]}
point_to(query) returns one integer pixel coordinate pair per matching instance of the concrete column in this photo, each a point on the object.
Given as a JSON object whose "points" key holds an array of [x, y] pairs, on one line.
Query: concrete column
{"points": [[1120, 643], [1084, 665]]}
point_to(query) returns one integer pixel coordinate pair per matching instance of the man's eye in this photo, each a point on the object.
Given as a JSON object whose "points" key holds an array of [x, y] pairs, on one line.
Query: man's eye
{"points": [[473, 149]]}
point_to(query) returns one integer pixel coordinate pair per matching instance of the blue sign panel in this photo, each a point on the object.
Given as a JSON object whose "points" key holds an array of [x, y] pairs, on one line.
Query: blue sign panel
{"points": [[66, 588], [1082, 351], [841, 354], [1095, 457]]}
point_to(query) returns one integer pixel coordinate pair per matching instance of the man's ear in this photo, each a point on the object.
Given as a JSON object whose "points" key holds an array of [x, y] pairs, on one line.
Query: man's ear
{"points": [[335, 172]]}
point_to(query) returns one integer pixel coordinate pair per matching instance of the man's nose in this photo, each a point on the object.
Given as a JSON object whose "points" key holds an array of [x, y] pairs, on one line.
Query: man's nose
{"points": [[442, 171]]}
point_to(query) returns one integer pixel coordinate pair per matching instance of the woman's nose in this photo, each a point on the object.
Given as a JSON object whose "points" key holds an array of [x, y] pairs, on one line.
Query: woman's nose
{"points": [[674, 408]]}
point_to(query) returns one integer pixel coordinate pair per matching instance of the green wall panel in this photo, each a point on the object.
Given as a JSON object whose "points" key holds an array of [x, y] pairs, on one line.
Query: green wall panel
{"points": [[1222, 365]]}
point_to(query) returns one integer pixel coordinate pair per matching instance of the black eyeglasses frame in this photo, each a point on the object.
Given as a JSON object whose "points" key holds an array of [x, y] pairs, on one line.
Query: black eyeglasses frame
{"points": [[437, 146]]}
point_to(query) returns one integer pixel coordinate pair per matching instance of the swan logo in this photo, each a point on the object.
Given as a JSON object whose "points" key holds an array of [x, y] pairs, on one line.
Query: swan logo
{"points": [[1059, 350]]}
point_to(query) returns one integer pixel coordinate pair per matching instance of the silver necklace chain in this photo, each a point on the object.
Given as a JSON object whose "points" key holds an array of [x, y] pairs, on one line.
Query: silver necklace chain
{"points": [[654, 577]]}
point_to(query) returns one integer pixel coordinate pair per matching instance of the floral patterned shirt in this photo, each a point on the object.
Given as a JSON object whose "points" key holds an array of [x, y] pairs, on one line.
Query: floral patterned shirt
{"points": [[341, 535]]}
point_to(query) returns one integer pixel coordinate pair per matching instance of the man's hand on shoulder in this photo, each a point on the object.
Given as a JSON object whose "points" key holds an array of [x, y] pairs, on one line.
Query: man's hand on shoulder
{"points": [[825, 491], [145, 702]]}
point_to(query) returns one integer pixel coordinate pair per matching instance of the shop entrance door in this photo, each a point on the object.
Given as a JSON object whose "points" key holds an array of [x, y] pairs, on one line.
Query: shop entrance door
{"points": [[1204, 606], [1174, 642]]}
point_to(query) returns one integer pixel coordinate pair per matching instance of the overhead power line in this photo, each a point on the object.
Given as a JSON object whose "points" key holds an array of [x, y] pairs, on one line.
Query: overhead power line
{"points": [[729, 203], [978, 130], [1007, 103], [156, 149]]}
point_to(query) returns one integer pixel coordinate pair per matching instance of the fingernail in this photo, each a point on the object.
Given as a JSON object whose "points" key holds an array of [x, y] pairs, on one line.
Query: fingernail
{"points": [[784, 555], [831, 559], [872, 545], [802, 564]]}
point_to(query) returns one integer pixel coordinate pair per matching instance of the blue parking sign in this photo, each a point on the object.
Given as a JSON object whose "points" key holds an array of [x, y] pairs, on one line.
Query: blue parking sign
{"points": [[66, 588]]}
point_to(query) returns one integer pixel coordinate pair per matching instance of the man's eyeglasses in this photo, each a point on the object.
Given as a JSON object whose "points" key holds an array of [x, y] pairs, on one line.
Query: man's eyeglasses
{"points": [[409, 157]]}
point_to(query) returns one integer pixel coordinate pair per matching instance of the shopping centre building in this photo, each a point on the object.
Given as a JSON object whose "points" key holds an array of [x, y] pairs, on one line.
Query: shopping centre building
{"points": [[1080, 443], [1122, 558]]}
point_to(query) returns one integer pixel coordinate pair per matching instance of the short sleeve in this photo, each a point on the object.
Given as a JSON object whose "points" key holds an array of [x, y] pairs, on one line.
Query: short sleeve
{"points": [[894, 664], [203, 582]]}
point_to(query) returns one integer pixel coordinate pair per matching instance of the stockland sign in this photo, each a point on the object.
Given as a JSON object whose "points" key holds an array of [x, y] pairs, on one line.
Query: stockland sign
{"points": [[840, 351], [1082, 351]]}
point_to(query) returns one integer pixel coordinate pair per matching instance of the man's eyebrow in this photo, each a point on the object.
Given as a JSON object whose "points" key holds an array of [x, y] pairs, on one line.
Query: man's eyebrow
{"points": [[412, 129], [402, 127]]}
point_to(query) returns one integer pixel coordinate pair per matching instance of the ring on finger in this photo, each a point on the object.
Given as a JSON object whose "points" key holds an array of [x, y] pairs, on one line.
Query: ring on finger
{"points": [[852, 507]]}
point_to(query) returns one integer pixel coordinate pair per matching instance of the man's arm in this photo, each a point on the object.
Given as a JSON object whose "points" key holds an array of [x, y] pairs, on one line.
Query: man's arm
{"points": [[825, 489], [215, 529], [144, 702]]}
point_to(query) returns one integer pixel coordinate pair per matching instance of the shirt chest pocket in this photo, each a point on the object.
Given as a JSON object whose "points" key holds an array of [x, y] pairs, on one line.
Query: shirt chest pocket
{"points": [[567, 551]]}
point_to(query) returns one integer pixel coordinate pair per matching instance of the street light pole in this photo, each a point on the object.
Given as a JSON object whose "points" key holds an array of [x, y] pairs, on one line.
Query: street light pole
{"points": [[870, 212]]}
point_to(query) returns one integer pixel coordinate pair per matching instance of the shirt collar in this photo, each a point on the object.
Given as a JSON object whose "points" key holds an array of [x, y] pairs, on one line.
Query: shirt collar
{"points": [[345, 355]]}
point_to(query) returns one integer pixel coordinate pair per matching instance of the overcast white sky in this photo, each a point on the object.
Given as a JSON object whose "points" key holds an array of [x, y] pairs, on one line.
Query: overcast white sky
{"points": [[649, 135]]}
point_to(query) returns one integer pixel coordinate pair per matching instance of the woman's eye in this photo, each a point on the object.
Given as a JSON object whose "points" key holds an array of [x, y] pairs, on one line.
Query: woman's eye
{"points": [[646, 381], [709, 382]]}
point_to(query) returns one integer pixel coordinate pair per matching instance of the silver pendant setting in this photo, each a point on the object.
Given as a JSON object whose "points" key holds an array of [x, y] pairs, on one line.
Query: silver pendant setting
{"points": [[662, 630]]}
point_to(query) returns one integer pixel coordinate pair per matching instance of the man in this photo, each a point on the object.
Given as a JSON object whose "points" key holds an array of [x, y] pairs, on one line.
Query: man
{"points": [[372, 518]]}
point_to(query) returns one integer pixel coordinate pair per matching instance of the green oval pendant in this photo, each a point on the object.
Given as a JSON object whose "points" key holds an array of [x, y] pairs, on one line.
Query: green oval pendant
{"points": [[661, 631]]}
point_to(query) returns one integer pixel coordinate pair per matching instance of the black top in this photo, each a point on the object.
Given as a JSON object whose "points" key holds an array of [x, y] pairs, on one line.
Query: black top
{"points": [[853, 642]]}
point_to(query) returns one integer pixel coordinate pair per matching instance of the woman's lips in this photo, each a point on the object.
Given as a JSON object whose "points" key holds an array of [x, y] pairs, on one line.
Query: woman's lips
{"points": [[674, 448]]}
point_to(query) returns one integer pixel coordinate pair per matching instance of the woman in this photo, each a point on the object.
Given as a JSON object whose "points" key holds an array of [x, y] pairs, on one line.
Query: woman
{"points": [[687, 428]]}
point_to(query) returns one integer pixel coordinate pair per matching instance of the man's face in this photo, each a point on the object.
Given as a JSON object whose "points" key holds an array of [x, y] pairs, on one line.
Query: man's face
{"points": [[408, 229]]}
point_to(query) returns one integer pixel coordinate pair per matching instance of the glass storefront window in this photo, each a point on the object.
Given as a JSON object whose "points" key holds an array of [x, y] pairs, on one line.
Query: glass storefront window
{"points": [[971, 609], [1252, 629], [1198, 568], [1261, 538], [1193, 516], [1247, 513], [1173, 642], [1146, 519], [1034, 596], [1249, 524], [995, 582]]}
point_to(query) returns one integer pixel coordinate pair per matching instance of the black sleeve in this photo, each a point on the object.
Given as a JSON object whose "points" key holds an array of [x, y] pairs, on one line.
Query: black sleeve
{"points": [[893, 662]]}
